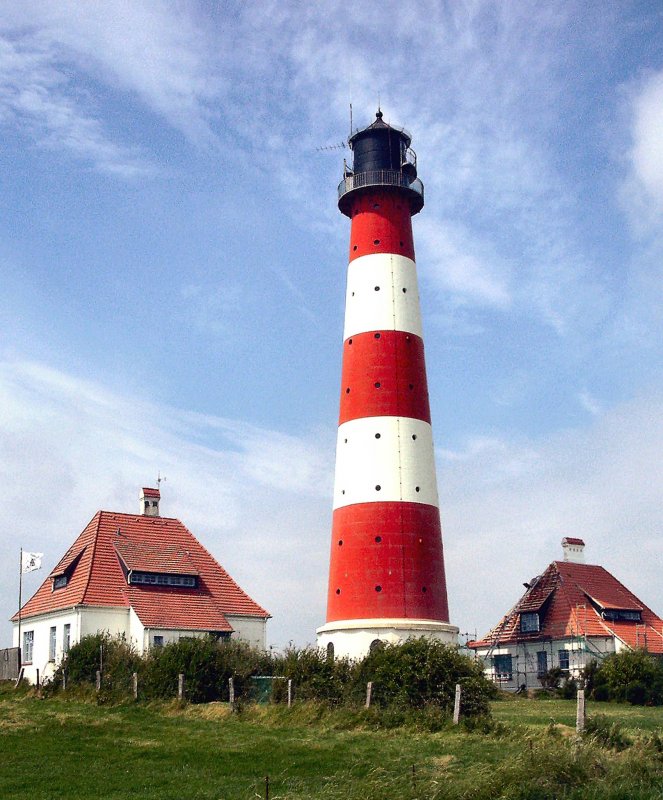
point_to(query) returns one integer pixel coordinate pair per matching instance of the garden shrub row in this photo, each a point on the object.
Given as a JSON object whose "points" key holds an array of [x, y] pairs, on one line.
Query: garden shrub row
{"points": [[417, 674]]}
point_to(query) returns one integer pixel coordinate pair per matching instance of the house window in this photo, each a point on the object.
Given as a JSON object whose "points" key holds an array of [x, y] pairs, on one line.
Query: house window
{"points": [[563, 660], [541, 663], [158, 641], [503, 667], [28, 642], [66, 638], [529, 623], [616, 615], [60, 581], [161, 579], [52, 639]]}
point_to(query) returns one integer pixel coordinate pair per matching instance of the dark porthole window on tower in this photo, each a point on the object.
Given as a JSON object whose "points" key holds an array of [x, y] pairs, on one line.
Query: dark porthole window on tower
{"points": [[376, 241], [340, 542], [411, 386], [378, 487], [401, 244], [349, 341], [378, 539], [414, 437], [377, 384], [338, 591], [347, 391], [355, 247], [377, 288], [376, 335], [378, 588], [377, 435], [423, 589], [404, 290], [376, 205], [416, 488]]}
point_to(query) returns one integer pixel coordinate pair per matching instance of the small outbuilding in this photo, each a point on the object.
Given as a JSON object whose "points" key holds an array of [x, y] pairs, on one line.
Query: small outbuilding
{"points": [[144, 577], [571, 614]]}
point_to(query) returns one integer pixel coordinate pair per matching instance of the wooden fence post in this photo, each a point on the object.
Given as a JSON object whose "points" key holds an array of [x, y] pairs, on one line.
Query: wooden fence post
{"points": [[180, 686], [580, 712], [64, 680], [457, 704], [369, 692], [37, 684], [98, 681], [289, 692], [134, 678]]}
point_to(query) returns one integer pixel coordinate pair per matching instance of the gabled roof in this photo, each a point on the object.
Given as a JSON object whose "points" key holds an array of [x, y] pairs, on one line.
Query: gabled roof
{"points": [[112, 544], [570, 599]]}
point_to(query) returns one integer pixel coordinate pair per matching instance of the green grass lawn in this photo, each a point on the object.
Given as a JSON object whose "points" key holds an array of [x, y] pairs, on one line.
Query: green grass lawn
{"points": [[55, 748], [517, 710]]}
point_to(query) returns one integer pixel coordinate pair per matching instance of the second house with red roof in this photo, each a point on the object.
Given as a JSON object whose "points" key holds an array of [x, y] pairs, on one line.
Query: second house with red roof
{"points": [[571, 614], [145, 577]]}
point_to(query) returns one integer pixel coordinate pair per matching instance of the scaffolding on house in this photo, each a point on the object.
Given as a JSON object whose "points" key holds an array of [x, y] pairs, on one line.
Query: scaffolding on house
{"points": [[534, 657]]}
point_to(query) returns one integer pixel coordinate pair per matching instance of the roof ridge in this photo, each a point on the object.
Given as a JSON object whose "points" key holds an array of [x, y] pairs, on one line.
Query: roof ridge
{"points": [[97, 516]]}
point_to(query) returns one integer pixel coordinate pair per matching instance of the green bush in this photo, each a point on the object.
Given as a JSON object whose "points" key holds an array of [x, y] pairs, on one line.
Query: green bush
{"points": [[634, 676], [206, 665], [111, 655], [313, 674], [423, 672]]}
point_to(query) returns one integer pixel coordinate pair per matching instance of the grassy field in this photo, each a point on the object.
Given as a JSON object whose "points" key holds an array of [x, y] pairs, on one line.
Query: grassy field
{"points": [[56, 748]]}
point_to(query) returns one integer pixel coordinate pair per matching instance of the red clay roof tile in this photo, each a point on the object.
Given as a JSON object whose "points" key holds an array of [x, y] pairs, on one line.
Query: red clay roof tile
{"points": [[568, 611], [151, 544]]}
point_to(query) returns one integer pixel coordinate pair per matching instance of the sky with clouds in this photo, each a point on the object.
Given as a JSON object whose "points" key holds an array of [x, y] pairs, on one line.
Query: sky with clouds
{"points": [[172, 269]]}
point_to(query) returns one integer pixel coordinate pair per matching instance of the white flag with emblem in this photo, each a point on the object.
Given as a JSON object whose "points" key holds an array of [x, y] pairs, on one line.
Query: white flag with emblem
{"points": [[31, 561]]}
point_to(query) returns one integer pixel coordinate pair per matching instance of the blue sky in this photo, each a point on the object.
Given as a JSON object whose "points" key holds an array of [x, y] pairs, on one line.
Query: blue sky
{"points": [[172, 269]]}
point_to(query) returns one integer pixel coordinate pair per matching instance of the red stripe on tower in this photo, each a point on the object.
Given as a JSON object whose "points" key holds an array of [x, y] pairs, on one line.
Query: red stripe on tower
{"points": [[386, 577]]}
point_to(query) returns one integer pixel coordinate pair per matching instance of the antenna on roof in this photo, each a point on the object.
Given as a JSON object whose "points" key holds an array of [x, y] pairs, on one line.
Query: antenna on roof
{"points": [[350, 120], [159, 479]]}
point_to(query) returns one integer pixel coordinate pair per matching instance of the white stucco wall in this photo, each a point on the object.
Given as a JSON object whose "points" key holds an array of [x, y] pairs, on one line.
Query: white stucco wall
{"points": [[524, 659], [83, 621], [252, 630]]}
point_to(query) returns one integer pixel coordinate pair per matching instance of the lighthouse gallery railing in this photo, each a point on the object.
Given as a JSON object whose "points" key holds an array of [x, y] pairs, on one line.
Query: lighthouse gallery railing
{"points": [[379, 177]]}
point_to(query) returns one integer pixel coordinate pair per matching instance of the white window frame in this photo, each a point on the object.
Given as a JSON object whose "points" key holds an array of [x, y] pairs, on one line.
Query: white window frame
{"points": [[28, 646], [52, 642]]}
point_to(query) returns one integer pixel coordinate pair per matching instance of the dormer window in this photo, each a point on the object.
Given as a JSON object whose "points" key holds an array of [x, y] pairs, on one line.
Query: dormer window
{"points": [[60, 581], [529, 622], [161, 579], [621, 615]]}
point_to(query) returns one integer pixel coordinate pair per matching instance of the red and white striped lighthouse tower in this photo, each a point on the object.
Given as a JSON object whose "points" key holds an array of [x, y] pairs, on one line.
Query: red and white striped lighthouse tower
{"points": [[386, 577]]}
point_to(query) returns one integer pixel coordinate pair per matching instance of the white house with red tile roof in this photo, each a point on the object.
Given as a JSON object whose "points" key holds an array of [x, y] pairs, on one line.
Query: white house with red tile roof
{"points": [[143, 576], [571, 614]]}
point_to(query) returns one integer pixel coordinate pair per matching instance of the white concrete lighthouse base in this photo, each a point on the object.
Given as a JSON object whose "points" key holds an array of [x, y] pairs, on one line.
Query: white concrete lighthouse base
{"points": [[352, 638]]}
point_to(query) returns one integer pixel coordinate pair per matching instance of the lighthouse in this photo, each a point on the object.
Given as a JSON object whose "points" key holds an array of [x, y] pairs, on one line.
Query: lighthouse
{"points": [[386, 577]]}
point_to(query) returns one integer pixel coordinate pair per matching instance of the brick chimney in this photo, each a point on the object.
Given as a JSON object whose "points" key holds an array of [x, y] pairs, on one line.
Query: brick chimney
{"points": [[574, 550], [149, 502]]}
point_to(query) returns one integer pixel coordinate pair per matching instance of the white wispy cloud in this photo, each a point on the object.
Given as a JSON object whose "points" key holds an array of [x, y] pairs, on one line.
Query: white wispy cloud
{"points": [[155, 52], [261, 499], [644, 185], [255, 497], [506, 504]]}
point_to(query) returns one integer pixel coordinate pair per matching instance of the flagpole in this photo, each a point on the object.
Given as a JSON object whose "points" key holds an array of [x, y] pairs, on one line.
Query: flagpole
{"points": [[20, 589]]}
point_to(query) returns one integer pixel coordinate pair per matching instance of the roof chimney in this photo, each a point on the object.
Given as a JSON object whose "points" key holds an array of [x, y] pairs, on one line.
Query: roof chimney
{"points": [[574, 550], [149, 502]]}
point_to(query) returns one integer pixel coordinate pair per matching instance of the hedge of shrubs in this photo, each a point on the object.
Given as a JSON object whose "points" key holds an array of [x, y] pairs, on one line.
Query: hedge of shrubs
{"points": [[632, 676], [416, 674]]}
